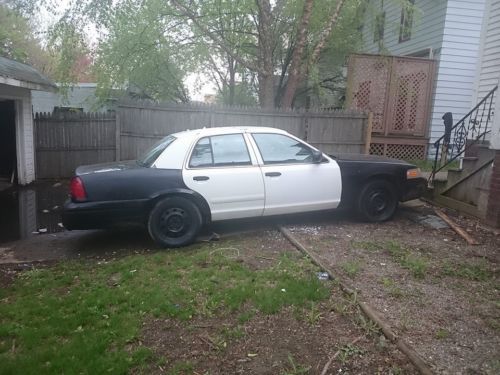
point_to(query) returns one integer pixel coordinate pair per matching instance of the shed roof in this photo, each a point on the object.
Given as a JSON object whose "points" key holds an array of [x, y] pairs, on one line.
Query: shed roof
{"points": [[21, 75]]}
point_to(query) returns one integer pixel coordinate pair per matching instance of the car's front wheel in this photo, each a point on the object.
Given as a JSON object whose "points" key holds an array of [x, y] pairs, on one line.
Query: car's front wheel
{"points": [[174, 222], [377, 201]]}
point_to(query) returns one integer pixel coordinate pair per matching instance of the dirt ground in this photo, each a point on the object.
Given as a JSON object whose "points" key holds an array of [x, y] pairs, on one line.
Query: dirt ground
{"points": [[438, 293], [434, 290], [293, 341]]}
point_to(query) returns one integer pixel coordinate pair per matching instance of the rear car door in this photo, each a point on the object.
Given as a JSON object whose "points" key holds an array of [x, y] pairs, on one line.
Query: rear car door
{"points": [[293, 182], [225, 172]]}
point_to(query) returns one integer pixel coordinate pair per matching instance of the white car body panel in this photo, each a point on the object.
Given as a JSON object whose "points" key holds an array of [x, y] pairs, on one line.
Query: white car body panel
{"points": [[245, 191], [231, 193]]}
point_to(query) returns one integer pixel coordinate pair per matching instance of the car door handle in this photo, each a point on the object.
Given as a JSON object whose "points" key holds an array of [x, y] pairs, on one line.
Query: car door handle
{"points": [[201, 178], [273, 174]]}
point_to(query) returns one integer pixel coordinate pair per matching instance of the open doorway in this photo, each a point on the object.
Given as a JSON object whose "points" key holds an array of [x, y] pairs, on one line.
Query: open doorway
{"points": [[8, 157]]}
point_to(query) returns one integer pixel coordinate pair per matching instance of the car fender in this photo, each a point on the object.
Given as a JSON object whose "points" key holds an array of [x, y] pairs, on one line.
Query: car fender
{"points": [[188, 193]]}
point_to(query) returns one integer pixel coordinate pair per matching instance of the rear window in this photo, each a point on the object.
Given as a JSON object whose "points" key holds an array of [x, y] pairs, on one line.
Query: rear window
{"points": [[154, 152]]}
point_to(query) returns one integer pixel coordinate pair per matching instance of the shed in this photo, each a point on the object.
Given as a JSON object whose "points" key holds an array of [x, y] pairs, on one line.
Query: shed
{"points": [[17, 149]]}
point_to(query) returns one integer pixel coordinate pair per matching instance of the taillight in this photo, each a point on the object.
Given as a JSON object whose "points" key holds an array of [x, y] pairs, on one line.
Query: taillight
{"points": [[77, 190]]}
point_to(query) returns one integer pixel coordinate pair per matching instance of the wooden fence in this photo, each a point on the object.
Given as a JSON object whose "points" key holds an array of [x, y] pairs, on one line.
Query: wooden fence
{"points": [[63, 142]]}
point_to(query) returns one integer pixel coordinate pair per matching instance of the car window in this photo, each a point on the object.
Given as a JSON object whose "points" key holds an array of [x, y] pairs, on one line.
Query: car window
{"points": [[154, 152], [219, 151], [281, 149]]}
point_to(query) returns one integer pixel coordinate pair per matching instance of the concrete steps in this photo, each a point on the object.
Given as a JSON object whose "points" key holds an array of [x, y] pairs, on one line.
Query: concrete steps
{"points": [[466, 188]]}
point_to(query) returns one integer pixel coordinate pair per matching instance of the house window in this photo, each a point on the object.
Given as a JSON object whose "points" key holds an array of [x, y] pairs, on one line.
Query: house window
{"points": [[406, 21], [378, 32]]}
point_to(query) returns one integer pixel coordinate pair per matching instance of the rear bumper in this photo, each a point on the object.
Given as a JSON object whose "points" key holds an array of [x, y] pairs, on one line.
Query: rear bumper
{"points": [[96, 215], [413, 189]]}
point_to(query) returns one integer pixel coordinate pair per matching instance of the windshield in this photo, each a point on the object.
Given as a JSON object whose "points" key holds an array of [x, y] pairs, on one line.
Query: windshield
{"points": [[154, 152]]}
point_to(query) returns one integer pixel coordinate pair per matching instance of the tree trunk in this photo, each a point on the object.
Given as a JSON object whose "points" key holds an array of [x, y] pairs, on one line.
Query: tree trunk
{"points": [[294, 74], [266, 90], [232, 81], [266, 77]]}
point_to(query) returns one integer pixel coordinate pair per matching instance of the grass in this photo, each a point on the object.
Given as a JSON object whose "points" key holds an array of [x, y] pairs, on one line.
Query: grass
{"points": [[442, 334], [80, 317], [366, 245], [391, 287], [476, 272], [351, 268], [427, 165], [295, 368], [416, 264]]}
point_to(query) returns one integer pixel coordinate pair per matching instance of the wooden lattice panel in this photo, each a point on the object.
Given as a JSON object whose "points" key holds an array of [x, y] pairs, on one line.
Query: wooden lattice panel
{"points": [[369, 78], [406, 152], [377, 149], [399, 151], [409, 105]]}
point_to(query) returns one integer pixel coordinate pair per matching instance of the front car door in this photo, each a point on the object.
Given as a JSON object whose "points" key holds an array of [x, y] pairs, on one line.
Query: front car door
{"points": [[226, 173], [293, 182]]}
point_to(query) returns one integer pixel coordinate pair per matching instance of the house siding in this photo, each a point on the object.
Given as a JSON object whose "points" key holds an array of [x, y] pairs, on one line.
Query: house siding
{"points": [[427, 29], [458, 61], [489, 67], [452, 28]]}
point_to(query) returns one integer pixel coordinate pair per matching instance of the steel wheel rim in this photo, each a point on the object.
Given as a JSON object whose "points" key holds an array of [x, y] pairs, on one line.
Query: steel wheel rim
{"points": [[174, 222], [378, 202]]}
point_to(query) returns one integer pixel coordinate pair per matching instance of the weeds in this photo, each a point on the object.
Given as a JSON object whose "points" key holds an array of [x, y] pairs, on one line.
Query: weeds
{"points": [[476, 272], [351, 268], [313, 315], [294, 368], [417, 265], [442, 333], [393, 290], [366, 245], [348, 351]]}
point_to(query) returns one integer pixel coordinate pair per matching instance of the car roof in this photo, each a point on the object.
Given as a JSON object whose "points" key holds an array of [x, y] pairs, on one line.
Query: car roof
{"points": [[227, 130]]}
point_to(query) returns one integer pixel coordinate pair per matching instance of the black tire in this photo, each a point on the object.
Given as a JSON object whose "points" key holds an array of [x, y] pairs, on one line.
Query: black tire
{"points": [[377, 201], [174, 222]]}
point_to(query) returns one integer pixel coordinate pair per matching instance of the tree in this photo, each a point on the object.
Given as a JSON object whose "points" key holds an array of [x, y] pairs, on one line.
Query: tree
{"points": [[18, 41], [268, 20]]}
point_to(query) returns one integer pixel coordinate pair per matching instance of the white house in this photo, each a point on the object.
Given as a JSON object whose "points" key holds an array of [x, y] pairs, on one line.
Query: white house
{"points": [[17, 149], [463, 36]]}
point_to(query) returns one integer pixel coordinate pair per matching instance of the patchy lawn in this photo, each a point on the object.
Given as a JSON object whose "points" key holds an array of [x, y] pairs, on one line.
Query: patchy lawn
{"points": [[250, 304], [438, 293]]}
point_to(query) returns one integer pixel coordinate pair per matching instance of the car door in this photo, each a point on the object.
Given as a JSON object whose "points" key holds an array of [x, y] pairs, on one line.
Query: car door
{"points": [[225, 172], [293, 182]]}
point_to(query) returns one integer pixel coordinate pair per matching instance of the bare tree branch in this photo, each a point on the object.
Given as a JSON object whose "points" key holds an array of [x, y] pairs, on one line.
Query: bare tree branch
{"points": [[185, 11]]}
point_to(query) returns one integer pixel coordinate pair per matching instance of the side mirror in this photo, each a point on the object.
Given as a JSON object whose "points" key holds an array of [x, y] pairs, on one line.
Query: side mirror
{"points": [[317, 156]]}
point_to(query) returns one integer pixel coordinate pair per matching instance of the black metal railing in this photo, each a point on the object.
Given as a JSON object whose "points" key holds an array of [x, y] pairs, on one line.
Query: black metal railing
{"points": [[471, 129]]}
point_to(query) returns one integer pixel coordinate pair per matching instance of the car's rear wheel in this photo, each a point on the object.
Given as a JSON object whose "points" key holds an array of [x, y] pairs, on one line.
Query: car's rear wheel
{"points": [[174, 222], [377, 201]]}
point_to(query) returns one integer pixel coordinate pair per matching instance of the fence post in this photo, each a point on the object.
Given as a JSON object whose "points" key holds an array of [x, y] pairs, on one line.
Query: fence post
{"points": [[117, 135], [368, 134]]}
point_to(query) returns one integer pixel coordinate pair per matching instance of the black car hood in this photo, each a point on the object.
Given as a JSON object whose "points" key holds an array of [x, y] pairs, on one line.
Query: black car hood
{"points": [[107, 167], [368, 158]]}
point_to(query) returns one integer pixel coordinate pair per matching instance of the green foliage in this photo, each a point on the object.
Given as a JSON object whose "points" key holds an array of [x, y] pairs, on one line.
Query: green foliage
{"points": [[243, 95], [351, 268], [139, 53], [86, 317], [477, 272], [416, 264], [18, 41], [442, 334], [348, 351], [295, 368]]}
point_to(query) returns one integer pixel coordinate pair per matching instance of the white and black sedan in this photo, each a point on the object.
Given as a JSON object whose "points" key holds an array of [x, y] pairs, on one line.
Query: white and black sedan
{"points": [[192, 178]]}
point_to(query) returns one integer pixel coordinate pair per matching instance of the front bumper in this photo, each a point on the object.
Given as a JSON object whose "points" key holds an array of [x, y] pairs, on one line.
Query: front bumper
{"points": [[413, 189]]}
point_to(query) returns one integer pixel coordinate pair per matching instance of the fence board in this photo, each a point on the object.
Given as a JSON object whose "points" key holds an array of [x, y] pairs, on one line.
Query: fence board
{"points": [[65, 141]]}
